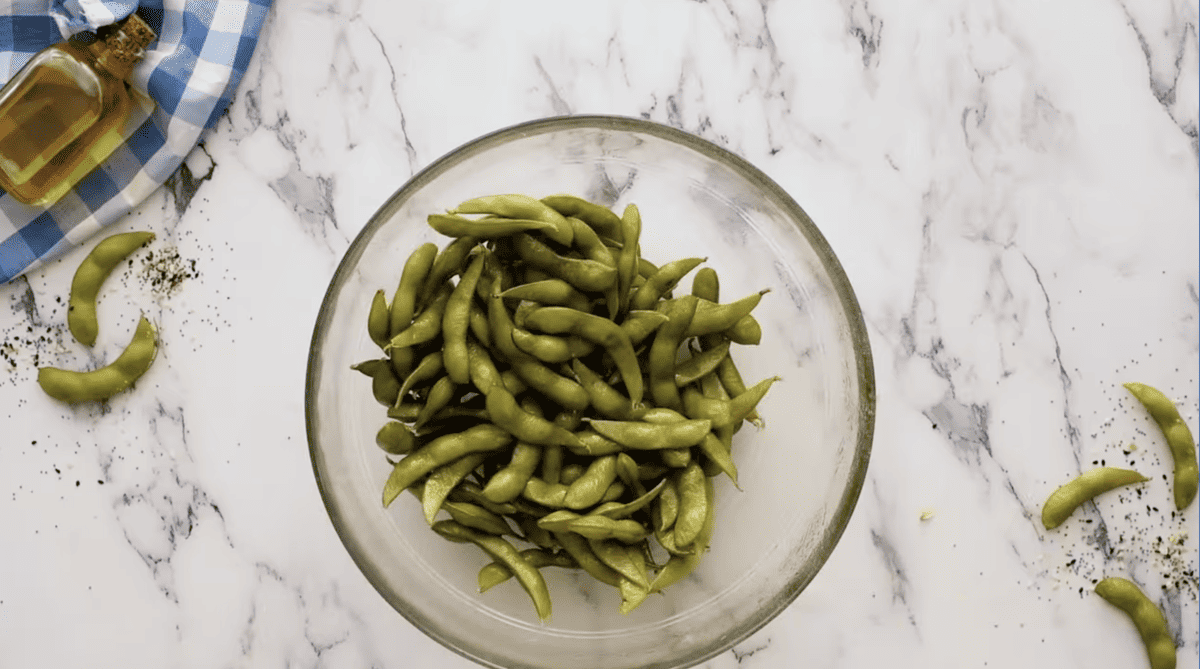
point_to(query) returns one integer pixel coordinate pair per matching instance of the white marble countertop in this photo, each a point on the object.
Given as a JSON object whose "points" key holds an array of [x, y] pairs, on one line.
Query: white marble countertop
{"points": [[1011, 187]]}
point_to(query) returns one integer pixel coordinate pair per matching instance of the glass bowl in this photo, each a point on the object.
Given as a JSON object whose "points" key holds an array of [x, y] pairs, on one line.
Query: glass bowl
{"points": [[800, 475]]}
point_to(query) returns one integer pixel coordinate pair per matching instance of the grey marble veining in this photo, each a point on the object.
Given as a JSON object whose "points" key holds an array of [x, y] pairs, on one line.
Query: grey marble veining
{"points": [[1011, 188]]}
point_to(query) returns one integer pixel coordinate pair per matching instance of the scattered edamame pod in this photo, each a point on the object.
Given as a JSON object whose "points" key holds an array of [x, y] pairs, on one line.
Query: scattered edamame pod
{"points": [[1179, 439], [1067, 498], [1149, 619], [90, 276], [103, 383]]}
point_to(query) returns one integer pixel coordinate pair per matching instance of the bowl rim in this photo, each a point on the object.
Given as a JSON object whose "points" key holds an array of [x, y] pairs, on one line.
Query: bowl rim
{"points": [[864, 361]]}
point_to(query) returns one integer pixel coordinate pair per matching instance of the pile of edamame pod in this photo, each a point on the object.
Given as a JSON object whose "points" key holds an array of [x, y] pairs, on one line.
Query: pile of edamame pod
{"points": [[1149, 620], [555, 399]]}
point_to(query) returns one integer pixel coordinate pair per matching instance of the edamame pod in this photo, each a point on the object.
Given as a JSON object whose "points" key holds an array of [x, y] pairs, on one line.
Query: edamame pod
{"points": [[378, 320], [507, 414], [647, 436], [588, 276], [443, 480], [700, 364], [665, 349], [456, 320], [484, 228], [412, 279], [1067, 498], [103, 383], [600, 218], [1149, 619], [598, 330], [711, 318], [89, 278], [495, 573], [549, 291], [512, 205], [1179, 439], [502, 551], [660, 282], [627, 259], [441, 451]]}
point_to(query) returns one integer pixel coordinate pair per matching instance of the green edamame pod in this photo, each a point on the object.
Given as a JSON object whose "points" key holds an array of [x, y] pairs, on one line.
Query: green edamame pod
{"points": [[511, 205], [591, 443], [550, 348], [666, 507], [502, 551], [443, 480], [426, 326], [641, 324], [676, 458], [627, 259], [384, 384], [680, 566], [632, 595], [395, 438], [507, 484], [482, 370], [549, 495], [549, 291], [711, 317], [495, 573], [657, 284], [700, 364], [477, 518], [731, 380], [706, 285], [379, 320], [570, 474], [607, 401], [569, 394], [440, 396], [467, 491], [428, 369], [1067, 498], [614, 555], [1179, 439], [445, 264], [484, 228], [725, 413], [408, 292], [693, 504], [1149, 619], [665, 349], [618, 511], [90, 276], [103, 383], [456, 320], [747, 331], [441, 451], [588, 276], [587, 490], [507, 414], [648, 436], [577, 547], [600, 218], [600, 331]]}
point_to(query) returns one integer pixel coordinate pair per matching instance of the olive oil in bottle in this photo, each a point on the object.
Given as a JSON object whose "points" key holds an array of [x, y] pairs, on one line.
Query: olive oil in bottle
{"points": [[63, 113]]}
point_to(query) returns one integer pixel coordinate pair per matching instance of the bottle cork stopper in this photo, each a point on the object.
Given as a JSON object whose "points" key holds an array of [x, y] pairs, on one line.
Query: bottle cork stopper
{"points": [[130, 37]]}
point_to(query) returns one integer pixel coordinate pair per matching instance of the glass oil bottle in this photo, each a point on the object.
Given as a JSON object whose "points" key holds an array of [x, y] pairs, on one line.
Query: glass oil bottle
{"points": [[63, 114]]}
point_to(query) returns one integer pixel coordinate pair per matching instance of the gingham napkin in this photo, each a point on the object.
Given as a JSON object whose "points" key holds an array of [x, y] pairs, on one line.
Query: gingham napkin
{"points": [[190, 71]]}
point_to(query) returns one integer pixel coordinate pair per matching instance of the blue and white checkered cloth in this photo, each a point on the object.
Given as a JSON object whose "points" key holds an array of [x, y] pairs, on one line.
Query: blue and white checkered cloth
{"points": [[190, 71]]}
